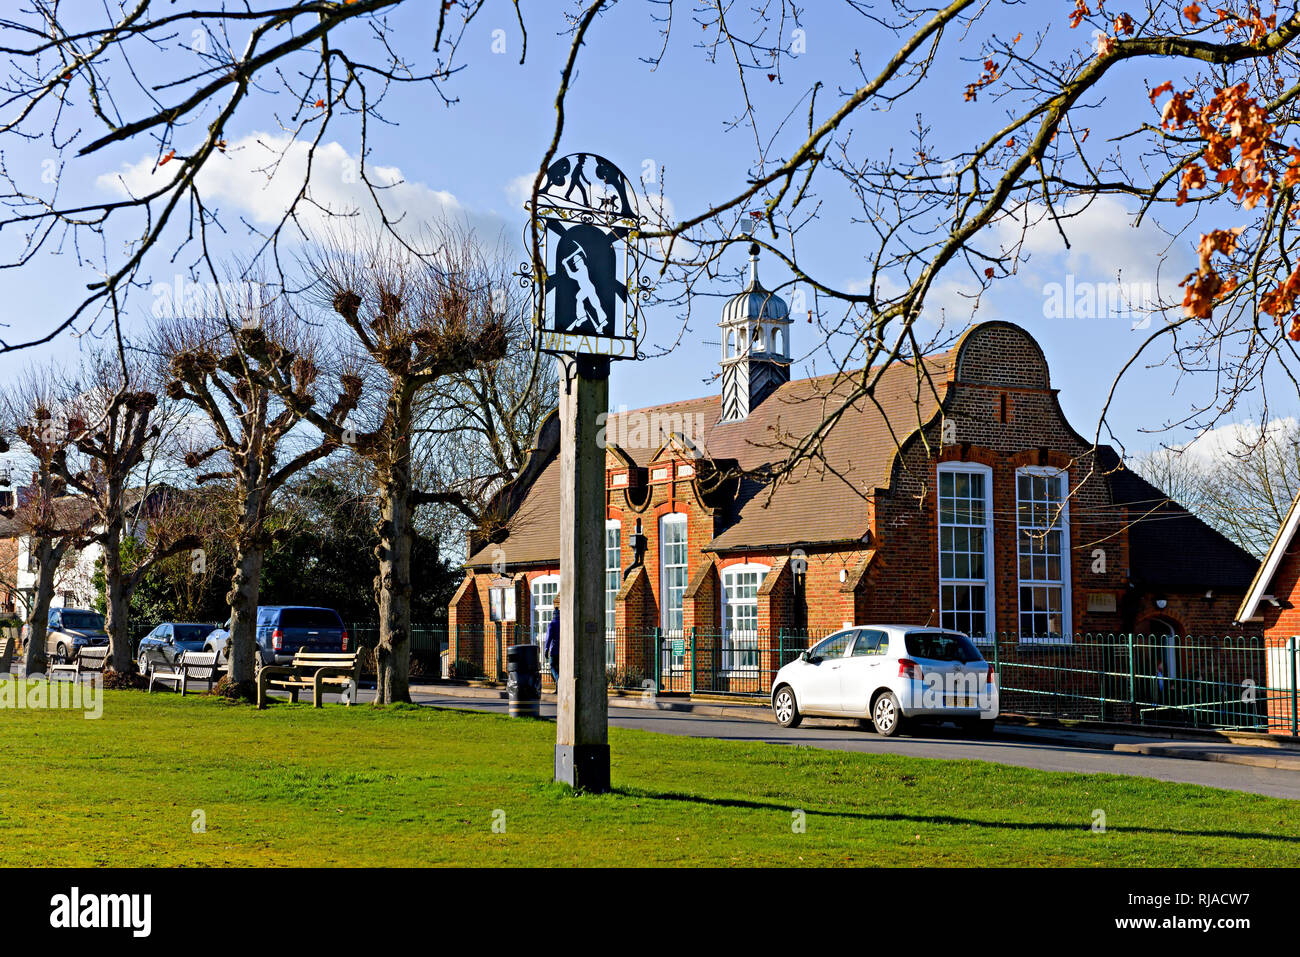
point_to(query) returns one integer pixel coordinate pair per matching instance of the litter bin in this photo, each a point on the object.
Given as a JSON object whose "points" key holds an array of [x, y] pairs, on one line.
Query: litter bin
{"points": [[524, 681]]}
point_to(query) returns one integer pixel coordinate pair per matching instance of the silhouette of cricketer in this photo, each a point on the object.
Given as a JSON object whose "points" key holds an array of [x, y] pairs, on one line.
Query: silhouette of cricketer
{"points": [[575, 264]]}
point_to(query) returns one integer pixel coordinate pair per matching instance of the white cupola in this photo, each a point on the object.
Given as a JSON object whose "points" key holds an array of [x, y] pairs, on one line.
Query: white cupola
{"points": [[755, 346]]}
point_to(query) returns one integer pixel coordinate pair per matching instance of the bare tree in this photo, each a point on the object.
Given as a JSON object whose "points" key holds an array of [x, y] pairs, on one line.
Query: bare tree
{"points": [[414, 320], [1243, 488], [475, 427], [45, 515], [112, 427], [206, 360]]}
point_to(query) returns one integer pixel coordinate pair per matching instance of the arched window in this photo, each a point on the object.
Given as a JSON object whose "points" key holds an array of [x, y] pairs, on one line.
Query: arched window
{"points": [[731, 344], [613, 579], [672, 571], [965, 543], [1043, 550]]}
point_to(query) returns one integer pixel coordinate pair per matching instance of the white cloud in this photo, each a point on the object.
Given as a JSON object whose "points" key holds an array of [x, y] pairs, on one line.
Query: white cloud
{"points": [[1234, 437], [260, 175], [1105, 246]]}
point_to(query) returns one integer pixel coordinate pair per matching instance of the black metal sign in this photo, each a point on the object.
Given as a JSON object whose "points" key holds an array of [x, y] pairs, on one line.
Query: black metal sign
{"points": [[587, 300]]}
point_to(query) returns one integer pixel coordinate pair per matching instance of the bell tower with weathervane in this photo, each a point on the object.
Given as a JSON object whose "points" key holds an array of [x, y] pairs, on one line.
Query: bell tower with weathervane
{"points": [[755, 346]]}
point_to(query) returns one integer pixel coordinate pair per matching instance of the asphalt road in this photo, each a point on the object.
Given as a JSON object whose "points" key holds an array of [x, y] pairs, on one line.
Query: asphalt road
{"points": [[934, 743]]}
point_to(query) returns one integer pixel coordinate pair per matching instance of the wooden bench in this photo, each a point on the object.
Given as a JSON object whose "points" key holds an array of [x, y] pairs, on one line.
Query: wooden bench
{"points": [[313, 671], [90, 660], [191, 666], [6, 656]]}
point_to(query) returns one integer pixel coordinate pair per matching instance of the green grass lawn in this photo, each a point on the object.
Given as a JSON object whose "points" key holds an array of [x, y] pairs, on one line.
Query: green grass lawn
{"points": [[297, 786]]}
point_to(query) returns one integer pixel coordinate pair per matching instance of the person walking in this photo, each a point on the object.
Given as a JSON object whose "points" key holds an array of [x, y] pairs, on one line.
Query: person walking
{"points": [[551, 647]]}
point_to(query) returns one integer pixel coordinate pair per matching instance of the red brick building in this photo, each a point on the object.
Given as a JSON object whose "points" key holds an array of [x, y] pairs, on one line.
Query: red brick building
{"points": [[1272, 608], [956, 494]]}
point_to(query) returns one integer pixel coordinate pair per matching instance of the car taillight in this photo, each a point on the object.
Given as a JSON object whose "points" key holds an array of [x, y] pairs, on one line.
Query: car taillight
{"points": [[345, 639], [988, 679], [907, 668], [277, 639]]}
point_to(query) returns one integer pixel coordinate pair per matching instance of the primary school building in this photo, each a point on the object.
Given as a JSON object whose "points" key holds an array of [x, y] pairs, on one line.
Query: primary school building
{"points": [[955, 493]]}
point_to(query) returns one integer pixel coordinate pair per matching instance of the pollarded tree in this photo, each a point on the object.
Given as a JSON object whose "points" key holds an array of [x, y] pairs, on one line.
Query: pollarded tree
{"points": [[207, 365], [113, 424], [44, 514], [413, 320]]}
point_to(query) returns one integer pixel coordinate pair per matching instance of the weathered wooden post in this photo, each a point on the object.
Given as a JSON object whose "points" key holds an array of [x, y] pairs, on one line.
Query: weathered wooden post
{"points": [[585, 279], [581, 737]]}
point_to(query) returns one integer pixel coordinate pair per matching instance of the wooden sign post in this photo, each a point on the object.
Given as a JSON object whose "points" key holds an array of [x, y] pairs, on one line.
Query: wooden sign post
{"points": [[581, 737], [587, 290]]}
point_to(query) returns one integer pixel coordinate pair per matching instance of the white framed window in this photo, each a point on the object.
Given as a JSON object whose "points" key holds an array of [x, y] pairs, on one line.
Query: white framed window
{"points": [[965, 548], [740, 584], [545, 589], [672, 571], [613, 578], [1043, 554]]}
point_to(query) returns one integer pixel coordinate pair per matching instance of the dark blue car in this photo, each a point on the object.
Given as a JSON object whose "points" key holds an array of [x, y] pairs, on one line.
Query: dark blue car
{"points": [[174, 638], [284, 630]]}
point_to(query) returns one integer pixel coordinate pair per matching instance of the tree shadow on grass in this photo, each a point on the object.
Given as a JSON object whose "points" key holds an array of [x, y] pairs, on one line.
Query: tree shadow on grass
{"points": [[947, 819]]}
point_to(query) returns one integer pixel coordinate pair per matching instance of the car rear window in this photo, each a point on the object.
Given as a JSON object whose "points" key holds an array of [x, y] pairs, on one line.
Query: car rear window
{"points": [[938, 646], [191, 632], [82, 620], [309, 618]]}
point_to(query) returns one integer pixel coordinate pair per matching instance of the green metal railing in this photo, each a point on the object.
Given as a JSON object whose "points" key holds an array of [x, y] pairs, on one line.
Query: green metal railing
{"points": [[1229, 683], [1233, 682]]}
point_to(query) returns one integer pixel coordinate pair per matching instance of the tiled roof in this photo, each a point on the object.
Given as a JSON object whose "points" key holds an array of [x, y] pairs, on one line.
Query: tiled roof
{"points": [[823, 501], [1170, 547]]}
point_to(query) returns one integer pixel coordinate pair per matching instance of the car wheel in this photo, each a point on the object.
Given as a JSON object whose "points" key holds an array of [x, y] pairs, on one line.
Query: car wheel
{"points": [[886, 715], [62, 652], [786, 708]]}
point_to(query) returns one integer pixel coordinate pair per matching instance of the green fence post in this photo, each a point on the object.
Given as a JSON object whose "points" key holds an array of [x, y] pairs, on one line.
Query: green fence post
{"points": [[691, 649], [657, 660], [1132, 681], [1291, 642]]}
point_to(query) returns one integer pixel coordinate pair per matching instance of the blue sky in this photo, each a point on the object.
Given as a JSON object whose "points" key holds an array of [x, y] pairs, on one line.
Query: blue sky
{"points": [[468, 159]]}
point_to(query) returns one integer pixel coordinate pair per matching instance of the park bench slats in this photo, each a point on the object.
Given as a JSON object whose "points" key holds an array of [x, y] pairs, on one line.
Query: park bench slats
{"points": [[89, 660], [191, 666], [316, 671]]}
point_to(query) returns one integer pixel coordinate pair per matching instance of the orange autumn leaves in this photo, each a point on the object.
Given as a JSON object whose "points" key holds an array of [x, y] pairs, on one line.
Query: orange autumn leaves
{"points": [[1240, 155], [1243, 156]]}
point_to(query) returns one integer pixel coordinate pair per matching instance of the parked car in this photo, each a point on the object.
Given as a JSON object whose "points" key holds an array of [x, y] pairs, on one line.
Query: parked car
{"points": [[284, 630], [174, 638], [891, 674], [68, 630]]}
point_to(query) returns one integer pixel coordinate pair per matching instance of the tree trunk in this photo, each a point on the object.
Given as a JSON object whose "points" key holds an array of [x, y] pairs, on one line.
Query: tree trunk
{"points": [[116, 618], [245, 584], [34, 657], [393, 587]]}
